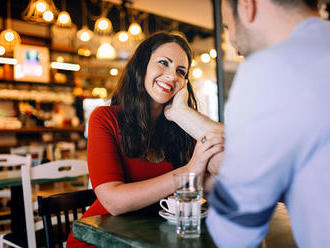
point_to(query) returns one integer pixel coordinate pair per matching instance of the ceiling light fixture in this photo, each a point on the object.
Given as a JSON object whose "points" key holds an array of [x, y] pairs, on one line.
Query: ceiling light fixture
{"points": [[197, 73], [114, 72], [41, 6], [2, 50], [103, 25], [64, 19], [48, 16], [84, 34], [205, 58], [43, 11], [9, 38], [213, 53], [134, 28], [106, 51]]}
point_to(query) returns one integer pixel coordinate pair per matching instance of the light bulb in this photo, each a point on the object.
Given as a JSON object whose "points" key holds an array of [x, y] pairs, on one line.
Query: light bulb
{"points": [[134, 28], [48, 16], [123, 36], [197, 73], [85, 36], [213, 53], [9, 36], [60, 59], [114, 72], [103, 25], [106, 51], [64, 17], [205, 58], [2, 50], [41, 6]]}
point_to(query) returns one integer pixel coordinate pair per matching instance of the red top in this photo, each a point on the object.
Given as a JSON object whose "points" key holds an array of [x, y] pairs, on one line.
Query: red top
{"points": [[106, 163]]}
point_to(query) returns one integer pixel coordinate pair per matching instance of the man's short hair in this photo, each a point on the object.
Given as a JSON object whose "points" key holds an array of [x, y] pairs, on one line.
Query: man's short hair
{"points": [[312, 4]]}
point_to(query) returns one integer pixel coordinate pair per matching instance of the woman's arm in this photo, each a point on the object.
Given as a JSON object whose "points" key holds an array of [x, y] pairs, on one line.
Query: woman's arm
{"points": [[191, 121], [118, 197], [196, 125]]}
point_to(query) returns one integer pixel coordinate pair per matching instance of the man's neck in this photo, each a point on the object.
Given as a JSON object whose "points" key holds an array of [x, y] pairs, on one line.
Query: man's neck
{"points": [[286, 22]]}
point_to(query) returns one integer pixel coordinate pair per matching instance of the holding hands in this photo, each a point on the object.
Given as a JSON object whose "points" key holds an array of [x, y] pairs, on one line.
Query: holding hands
{"points": [[206, 148]]}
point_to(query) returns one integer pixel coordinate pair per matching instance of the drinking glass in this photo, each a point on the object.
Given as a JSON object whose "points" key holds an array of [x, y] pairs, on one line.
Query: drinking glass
{"points": [[188, 196]]}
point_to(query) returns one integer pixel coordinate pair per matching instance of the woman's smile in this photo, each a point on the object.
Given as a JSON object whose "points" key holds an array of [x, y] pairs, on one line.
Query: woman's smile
{"points": [[166, 87], [166, 71]]}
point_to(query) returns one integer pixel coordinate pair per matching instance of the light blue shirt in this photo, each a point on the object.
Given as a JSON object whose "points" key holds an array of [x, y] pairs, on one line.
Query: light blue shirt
{"points": [[277, 143]]}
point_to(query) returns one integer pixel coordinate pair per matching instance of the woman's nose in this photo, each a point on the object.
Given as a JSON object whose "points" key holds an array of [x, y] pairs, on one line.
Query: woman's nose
{"points": [[170, 75]]}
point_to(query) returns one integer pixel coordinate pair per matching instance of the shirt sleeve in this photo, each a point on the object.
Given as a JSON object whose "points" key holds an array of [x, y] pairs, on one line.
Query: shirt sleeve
{"points": [[259, 155], [103, 152]]}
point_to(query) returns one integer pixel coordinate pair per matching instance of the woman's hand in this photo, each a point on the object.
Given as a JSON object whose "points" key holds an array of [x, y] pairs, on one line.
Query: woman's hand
{"points": [[206, 147], [180, 100]]}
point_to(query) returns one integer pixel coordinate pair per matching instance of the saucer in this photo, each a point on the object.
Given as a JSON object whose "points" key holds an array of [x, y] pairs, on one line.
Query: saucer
{"points": [[171, 217]]}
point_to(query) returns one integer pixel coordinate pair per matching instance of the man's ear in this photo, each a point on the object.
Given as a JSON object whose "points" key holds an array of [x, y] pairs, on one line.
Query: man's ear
{"points": [[248, 9]]}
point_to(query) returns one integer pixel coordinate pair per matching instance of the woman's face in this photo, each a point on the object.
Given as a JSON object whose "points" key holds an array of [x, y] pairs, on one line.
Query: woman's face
{"points": [[166, 71]]}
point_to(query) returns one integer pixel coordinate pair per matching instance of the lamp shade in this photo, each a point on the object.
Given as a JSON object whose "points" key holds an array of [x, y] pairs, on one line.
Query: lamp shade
{"points": [[43, 11], [64, 19], [103, 25], [106, 51], [85, 34], [9, 38]]}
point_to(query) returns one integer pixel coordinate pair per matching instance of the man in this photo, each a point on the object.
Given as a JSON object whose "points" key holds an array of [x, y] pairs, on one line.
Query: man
{"points": [[277, 125]]}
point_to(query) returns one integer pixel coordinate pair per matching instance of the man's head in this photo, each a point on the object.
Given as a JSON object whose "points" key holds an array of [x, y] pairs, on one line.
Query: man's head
{"points": [[249, 21]]}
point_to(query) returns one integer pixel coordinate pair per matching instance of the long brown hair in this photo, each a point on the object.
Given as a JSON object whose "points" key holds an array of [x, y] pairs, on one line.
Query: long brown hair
{"points": [[134, 117]]}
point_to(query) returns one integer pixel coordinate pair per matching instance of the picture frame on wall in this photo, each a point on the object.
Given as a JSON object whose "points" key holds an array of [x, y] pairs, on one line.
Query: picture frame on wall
{"points": [[32, 63]]}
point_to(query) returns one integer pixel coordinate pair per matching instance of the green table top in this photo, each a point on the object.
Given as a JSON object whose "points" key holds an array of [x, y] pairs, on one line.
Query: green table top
{"points": [[135, 231]]}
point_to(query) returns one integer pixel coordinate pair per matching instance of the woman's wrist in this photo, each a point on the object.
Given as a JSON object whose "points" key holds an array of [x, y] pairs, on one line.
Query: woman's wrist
{"points": [[178, 112]]}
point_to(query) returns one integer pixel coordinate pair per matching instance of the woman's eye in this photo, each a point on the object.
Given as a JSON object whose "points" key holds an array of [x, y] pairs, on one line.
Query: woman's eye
{"points": [[163, 62], [181, 72]]}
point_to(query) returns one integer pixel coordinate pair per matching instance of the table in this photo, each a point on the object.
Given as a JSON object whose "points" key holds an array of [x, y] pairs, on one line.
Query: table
{"points": [[135, 230], [12, 179]]}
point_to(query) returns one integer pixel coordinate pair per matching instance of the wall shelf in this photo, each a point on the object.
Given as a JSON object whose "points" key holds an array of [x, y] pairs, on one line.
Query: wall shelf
{"points": [[42, 129], [72, 85]]}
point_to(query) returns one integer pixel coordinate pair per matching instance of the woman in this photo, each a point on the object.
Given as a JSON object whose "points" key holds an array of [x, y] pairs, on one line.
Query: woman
{"points": [[133, 150]]}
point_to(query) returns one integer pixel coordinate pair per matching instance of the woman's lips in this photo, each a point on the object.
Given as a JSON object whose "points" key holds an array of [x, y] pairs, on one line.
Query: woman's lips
{"points": [[166, 87]]}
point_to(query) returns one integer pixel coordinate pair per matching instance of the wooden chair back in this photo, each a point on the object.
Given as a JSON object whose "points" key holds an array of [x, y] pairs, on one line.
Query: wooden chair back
{"points": [[58, 204], [60, 169]]}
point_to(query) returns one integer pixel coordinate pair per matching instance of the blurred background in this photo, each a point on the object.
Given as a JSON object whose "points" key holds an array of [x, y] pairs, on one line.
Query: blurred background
{"points": [[60, 59]]}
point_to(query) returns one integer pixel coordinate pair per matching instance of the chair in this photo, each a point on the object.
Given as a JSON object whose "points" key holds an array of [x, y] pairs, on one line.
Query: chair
{"points": [[55, 205], [47, 172], [36, 151], [11, 161]]}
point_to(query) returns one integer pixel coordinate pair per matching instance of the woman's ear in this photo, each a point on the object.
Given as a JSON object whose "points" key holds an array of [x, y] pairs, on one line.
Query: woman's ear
{"points": [[247, 10]]}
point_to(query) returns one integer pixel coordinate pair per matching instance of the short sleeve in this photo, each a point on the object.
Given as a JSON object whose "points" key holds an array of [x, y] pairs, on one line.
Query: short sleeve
{"points": [[103, 151]]}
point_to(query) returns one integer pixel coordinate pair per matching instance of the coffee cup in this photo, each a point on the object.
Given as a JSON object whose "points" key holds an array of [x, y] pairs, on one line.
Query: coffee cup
{"points": [[168, 204]]}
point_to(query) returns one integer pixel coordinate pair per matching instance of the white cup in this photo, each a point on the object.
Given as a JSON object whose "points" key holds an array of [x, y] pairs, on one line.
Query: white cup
{"points": [[169, 206]]}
